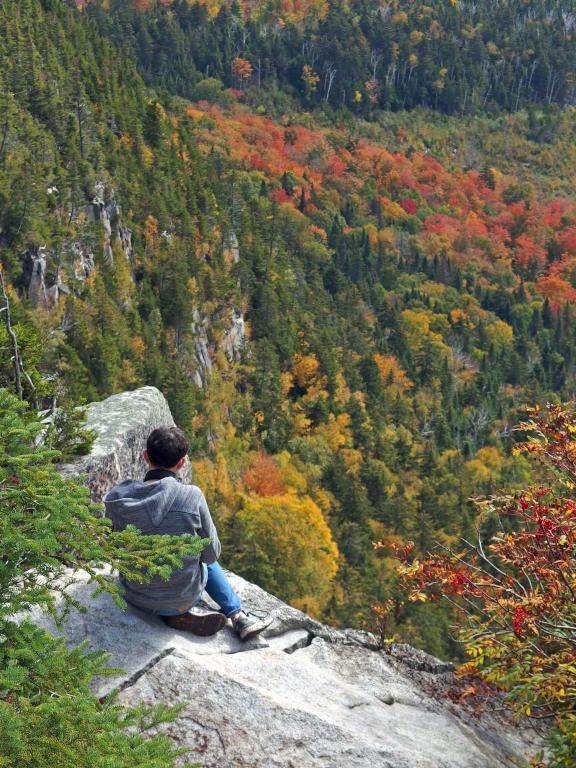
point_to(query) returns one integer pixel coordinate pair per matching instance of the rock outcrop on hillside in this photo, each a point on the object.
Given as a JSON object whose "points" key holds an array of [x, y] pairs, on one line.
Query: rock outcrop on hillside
{"points": [[121, 423], [304, 695], [53, 272], [229, 318]]}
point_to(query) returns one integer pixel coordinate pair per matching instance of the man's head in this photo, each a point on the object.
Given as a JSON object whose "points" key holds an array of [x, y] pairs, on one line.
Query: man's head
{"points": [[166, 448]]}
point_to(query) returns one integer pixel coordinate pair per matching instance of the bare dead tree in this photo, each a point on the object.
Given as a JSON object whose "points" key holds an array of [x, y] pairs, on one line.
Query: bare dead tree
{"points": [[80, 105], [478, 420], [569, 20], [329, 75], [5, 130], [375, 60], [258, 69], [310, 52]]}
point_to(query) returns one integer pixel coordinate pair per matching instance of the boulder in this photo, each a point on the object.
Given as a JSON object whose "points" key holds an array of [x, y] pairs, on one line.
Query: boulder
{"points": [[121, 423]]}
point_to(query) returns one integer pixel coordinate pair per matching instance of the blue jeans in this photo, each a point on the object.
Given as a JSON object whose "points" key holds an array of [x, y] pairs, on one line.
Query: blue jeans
{"points": [[219, 589]]}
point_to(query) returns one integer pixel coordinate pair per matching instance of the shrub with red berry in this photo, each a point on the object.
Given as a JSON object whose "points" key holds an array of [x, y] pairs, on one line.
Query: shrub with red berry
{"points": [[516, 592]]}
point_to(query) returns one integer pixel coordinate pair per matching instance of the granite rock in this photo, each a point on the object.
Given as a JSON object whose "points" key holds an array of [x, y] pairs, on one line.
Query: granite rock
{"points": [[122, 423], [302, 694], [53, 272]]}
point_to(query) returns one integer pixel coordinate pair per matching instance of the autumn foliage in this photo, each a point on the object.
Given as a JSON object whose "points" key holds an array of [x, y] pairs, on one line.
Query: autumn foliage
{"points": [[263, 477], [516, 591], [288, 546], [406, 280], [241, 68], [393, 375], [451, 214]]}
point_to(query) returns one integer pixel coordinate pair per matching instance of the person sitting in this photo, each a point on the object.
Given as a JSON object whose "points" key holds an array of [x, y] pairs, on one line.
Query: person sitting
{"points": [[162, 505]]}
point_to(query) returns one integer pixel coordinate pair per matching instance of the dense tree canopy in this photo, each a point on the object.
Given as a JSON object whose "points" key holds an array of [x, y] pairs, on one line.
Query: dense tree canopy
{"points": [[453, 55]]}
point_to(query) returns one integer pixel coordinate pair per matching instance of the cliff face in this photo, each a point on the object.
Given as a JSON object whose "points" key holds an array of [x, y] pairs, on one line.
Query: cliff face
{"points": [[304, 695], [54, 272]]}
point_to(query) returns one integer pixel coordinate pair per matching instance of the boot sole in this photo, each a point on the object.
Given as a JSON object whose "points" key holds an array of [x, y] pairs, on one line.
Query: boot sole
{"points": [[204, 625]]}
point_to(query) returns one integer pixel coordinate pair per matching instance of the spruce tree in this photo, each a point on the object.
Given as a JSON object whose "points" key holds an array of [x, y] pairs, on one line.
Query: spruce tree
{"points": [[47, 524]]}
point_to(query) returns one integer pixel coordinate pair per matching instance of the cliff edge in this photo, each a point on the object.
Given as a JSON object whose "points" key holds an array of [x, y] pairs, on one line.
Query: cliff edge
{"points": [[304, 695]]}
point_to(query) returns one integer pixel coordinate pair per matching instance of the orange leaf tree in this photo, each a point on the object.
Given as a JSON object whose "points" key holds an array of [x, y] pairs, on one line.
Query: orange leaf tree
{"points": [[241, 68], [263, 477]]}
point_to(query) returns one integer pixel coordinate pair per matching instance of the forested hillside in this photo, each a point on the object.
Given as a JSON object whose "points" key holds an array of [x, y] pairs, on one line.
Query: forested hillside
{"points": [[453, 55], [348, 309]]}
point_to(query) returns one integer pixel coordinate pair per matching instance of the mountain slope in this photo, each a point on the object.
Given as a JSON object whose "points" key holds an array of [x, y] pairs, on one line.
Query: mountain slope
{"points": [[348, 317], [454, 56], [301, 694]]}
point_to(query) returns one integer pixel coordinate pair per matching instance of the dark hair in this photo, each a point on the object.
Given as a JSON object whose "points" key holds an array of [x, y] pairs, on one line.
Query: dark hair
{"points": [[166, 446]]}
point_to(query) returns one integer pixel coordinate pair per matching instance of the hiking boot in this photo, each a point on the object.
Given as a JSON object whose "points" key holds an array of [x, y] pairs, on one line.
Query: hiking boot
{"points": [[247, 625], [203, 624]]}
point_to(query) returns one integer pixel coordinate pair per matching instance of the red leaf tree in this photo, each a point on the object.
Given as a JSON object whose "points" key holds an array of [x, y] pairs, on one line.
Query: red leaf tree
{"points": [[516, 592]]}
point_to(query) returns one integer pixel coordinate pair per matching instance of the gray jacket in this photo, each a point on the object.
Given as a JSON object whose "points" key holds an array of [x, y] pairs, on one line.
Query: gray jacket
{"points": [[165, 507]]}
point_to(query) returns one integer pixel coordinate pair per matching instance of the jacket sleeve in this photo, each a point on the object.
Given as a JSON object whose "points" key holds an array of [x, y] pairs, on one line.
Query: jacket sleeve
{"points": [[208, 531]]}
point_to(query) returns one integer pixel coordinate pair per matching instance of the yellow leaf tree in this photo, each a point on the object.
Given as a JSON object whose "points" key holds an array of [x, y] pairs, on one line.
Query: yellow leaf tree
{"points": [[392, 373], [287, 547]]}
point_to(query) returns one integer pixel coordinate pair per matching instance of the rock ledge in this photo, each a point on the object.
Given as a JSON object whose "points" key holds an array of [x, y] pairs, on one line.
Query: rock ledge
{"points": [[303, 695]]}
